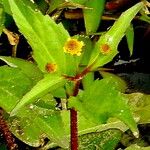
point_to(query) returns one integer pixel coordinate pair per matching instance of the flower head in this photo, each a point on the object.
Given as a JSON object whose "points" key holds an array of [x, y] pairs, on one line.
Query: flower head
{"points": [[50, 67], [73, 46], [105, 49]]}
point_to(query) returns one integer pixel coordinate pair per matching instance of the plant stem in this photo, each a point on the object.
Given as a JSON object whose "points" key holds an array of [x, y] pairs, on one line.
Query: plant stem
{"points": [[73, 112], [73, 121], [74, 129]]}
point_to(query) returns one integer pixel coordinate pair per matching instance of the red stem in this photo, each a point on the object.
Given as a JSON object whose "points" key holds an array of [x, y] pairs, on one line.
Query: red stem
{"points": [[74, 129], [73, 121], [73, 112]]}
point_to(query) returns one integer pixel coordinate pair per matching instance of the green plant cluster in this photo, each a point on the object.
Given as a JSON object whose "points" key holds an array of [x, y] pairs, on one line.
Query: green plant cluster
{"points": [[61, 64]]}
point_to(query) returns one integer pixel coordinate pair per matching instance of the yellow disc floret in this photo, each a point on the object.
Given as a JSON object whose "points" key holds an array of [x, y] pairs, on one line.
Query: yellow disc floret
{"points": [[73, 47]]}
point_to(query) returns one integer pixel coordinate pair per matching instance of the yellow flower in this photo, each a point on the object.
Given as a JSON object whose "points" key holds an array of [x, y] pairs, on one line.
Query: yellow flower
{"points": [[50, 67], [105, 49], [73, 47]]}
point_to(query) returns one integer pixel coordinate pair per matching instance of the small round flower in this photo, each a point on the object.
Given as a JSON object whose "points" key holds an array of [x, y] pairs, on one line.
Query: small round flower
{"points": [[105, 49], [50, 67], [73, 47]]}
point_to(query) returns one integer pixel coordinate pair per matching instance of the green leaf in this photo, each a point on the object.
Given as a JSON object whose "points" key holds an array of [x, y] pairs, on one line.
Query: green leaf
{"points": [[90, 134], [120, 84], [28, 68], [87, 50], [101, 101], [145, 18], [40, 120], [53, 128], [49, 83], [45, 36], [100, 140], [49, 121], [59, 93], [2, 18], [78, 1], [88, 80], [13, 85], [140, 105], [57, 4], [6, 6], [106, 47], [42, 5], [130, 38], [136, 147], [54, 4], [26, 130], [85, 125], [92, 15]]}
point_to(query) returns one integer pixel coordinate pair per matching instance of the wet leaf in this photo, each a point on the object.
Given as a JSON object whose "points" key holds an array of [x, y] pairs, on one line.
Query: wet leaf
{"points": [[13, 85], [28, 68], [38, 121], [46, 38], [106, 47], [120, 84], [49, 83], [87, 126], [53, 126], [101, 101], [140, 105], [100, 140], [26, 130], [136, 147]]}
